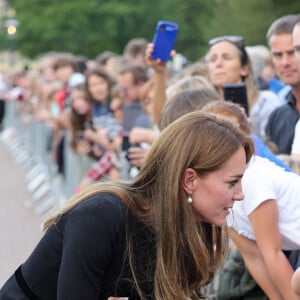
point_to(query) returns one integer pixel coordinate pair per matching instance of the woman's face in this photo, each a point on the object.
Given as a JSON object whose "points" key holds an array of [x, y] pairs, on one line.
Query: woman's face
{"points": [[224, 64], [98, 88], [116, 106], [79, 102], [214, 194]]}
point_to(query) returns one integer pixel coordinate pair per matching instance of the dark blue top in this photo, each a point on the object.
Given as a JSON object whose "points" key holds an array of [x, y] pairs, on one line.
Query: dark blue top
{"points": [[281, 125], [100, 109], [83, 255]]}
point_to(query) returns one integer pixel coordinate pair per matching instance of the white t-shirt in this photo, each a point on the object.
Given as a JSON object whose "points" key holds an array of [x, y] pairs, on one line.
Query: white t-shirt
{"points": [[296, 141], [263, 180]]}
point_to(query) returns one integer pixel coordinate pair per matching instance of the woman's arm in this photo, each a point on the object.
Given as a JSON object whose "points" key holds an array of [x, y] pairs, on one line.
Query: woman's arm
{"points": [[264, 220], [61, 121], [160, 84], [255, 264], [138, 135], [296, 282]]}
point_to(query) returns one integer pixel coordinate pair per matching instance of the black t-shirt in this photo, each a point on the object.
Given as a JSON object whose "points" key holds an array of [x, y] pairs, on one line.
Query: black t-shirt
{"points": [[81, 256], [281, 125]]}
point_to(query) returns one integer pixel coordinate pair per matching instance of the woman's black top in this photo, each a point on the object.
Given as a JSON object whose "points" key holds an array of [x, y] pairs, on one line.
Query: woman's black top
{"points": [[83, 256]]}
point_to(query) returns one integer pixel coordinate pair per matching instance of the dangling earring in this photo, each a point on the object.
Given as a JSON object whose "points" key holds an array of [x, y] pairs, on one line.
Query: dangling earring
{"points": [[189, 199]]}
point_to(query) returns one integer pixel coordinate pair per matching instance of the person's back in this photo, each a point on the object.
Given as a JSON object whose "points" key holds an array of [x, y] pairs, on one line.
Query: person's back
{"points": [[50, 273]]}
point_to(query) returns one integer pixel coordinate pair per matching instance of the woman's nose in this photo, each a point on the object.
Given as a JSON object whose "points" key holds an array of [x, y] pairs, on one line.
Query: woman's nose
{"points": [[239, 195], [219, 61]]}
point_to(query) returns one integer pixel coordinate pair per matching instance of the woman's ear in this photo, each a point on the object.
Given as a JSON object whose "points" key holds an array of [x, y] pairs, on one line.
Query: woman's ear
{"points": [[188, 180]]}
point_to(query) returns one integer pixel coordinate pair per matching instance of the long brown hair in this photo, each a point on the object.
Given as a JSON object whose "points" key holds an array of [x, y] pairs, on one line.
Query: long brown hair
{"points": [[78, 122], [189, 251], [99, 72]]}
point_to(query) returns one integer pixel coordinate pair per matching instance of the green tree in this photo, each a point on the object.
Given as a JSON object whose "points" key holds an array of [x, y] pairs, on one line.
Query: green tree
{"points": [[192, 16], [250, 19], [93, 26], [81, 27], [284, 7]]}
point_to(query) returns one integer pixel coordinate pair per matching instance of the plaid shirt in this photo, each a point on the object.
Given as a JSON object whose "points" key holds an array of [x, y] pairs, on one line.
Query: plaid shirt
{"points": [[102, 167]]}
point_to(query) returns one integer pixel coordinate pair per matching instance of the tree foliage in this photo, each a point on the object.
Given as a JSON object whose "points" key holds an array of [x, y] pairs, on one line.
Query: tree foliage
{"points": [[93, 26]]}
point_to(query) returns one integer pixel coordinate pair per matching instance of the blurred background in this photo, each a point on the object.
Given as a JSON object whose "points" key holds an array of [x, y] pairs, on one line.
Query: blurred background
{"points": [[29, 28]]}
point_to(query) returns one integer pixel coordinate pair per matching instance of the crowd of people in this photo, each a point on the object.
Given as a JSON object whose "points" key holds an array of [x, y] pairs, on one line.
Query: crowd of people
{"points": [[166, 164]]}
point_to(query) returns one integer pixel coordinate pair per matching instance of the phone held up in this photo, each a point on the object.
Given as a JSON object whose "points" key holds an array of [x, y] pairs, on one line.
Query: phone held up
{"points": [[237, 93], [164, 40]]}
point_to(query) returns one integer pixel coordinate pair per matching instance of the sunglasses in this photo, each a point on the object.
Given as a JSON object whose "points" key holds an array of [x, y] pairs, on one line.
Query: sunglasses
{"points": [[236, 39]]}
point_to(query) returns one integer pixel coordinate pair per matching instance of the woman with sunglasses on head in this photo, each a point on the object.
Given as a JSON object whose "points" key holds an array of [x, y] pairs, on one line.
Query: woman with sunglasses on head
{"points": [[228, 62], [159, 236]]}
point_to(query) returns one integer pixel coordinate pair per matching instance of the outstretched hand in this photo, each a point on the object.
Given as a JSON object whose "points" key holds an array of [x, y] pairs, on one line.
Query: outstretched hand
{"points": [[158, 65]]}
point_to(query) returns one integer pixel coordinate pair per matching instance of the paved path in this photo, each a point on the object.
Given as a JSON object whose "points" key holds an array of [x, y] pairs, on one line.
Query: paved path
{"points": [[19, 225]]}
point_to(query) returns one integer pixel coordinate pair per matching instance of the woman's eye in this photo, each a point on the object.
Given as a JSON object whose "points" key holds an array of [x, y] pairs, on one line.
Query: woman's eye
{"points": [[227, 57], [212, 59], [233, 183]]}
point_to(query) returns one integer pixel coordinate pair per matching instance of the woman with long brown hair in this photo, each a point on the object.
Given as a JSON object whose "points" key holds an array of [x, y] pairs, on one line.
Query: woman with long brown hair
{"points": [[159, 236], [228, 62]]}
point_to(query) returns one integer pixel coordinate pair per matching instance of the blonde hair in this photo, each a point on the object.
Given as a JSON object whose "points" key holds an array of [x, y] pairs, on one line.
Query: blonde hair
{"points": [[230, 111], [189, 251], [189, 82], [198, 68], [184, 102]]}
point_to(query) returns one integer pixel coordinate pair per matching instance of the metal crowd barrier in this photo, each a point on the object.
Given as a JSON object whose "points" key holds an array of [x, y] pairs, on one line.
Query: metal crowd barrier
{"points": [[28, 141]]}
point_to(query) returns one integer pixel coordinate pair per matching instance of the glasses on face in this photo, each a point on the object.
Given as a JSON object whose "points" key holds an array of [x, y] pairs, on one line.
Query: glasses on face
{"points": [[236, 39]]}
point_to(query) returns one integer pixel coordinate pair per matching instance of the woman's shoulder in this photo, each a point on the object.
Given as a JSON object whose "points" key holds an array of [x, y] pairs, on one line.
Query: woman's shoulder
{"points": [[106, 207], [102, 201], [102, 214]]}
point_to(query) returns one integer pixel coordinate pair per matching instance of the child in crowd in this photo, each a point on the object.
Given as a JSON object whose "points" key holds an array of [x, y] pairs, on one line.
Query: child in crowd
{"points": [[266, 226]]}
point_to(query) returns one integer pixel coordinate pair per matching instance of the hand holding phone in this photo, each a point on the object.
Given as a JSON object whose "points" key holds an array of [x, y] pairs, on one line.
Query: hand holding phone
{"points": [[164, 40]]}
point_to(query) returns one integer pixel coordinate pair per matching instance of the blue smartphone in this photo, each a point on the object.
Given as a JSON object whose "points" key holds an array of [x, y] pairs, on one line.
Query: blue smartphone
{"points": [[164, 40]]}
